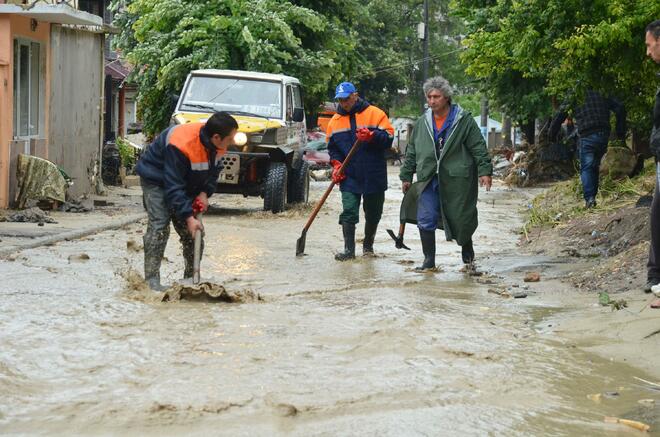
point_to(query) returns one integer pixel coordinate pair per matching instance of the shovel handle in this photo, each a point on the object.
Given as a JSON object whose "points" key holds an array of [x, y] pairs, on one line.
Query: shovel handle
{"points": [[197, 254], [320, 203]]}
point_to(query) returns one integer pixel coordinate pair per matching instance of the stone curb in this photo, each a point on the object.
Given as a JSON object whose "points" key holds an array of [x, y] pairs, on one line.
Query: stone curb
{"points": [[73, 235]]}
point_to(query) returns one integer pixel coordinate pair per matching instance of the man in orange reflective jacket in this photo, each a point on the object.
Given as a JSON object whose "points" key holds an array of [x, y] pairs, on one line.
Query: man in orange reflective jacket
{"points": [[179, 169], [365, 176]]}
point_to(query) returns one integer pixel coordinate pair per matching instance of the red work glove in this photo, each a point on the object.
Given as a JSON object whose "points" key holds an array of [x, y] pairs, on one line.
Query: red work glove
{"points": [[198, 206], [337, 178], [364, 135]]}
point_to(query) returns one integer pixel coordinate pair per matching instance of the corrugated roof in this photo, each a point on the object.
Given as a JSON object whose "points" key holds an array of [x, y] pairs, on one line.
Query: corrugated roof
{"points": [[117, 70]]}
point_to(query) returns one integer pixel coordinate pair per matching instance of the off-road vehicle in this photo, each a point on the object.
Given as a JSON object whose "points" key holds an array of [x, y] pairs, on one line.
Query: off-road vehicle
{"points": [[269, 110]]}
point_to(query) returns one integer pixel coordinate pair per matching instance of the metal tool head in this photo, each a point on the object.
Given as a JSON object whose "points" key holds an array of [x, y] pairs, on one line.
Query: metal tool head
{"points": [[398, 240], [300, 244]]}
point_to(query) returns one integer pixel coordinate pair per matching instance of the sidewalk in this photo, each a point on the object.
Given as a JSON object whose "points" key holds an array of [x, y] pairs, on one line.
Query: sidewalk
{"points": [[121, 206]]}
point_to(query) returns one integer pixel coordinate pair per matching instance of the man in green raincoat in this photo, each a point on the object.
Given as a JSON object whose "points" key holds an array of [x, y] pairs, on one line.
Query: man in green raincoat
{"points": [[448, 153]]}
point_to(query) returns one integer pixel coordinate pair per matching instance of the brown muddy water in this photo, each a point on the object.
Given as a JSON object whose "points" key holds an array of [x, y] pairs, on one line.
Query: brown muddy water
{"points": [[358, 348]]}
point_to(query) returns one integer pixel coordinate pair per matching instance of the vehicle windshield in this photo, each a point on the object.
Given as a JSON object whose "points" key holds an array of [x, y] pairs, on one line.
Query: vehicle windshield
{"points": [[246, 96]]}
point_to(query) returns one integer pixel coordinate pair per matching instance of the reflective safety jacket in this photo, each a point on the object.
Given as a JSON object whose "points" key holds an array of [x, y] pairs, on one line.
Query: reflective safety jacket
{"points": [[366, 173], [183, 161]]}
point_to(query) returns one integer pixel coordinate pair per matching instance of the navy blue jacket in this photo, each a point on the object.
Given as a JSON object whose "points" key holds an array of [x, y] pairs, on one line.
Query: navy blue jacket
{"points": [[366, 173]]}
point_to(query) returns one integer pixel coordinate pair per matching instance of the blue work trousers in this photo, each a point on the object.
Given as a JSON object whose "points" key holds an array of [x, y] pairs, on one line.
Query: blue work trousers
{"points": [[592, 149], [428, 206]]}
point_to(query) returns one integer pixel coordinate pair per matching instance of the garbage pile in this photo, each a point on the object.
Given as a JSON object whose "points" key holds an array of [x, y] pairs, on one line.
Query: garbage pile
{"points": [[534, 164]]}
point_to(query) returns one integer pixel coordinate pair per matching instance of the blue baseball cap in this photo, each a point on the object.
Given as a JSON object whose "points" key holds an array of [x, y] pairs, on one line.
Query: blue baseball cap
{"points": [[344, 90]]}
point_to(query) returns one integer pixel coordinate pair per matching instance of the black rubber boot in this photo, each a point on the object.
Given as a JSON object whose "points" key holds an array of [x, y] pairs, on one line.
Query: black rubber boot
{"points": [[349, 243], [428, 248], [467, 252], [188, 246], [154, 248], [369, 236]]}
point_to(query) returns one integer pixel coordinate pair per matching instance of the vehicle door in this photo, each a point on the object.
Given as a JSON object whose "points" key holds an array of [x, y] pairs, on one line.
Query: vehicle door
{"points": [[295, 117]]}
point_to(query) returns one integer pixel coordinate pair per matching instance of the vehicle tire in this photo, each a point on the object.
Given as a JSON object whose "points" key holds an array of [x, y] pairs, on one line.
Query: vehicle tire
{"points": [[299, 184], [275, 187]]}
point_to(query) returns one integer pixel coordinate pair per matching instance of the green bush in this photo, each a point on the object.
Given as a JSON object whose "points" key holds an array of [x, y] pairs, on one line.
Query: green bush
{"points": [[126, 153]]}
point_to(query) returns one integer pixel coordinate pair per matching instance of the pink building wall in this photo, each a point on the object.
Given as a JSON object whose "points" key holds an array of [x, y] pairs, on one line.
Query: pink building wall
{"points": [[10, 28]]}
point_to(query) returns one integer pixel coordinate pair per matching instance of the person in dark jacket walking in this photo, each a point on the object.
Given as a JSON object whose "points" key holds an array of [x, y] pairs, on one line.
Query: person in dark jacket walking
{"points": [[449, 156], [365, 176], [179, 168], [653, 265], [593, 125]]}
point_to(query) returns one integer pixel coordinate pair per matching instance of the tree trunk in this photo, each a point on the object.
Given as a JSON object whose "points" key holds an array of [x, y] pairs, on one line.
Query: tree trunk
{"points": [[506, 132], [527, 129], [484, 115]]}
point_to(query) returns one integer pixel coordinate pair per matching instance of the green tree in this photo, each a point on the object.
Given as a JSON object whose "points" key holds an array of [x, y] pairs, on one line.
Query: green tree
{"points": [[529, 55], [165, 39]]}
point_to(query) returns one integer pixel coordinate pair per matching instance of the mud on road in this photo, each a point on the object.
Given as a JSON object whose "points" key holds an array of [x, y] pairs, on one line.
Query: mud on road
{"points": [[367, 347]]}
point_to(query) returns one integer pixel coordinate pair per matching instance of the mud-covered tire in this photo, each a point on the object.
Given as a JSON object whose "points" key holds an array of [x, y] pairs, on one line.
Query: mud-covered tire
{"points": [[275, 187], [299, 184]]}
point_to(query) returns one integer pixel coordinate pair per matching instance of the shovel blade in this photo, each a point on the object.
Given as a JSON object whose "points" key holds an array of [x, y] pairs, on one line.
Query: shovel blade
{"points": [[300, 244]]}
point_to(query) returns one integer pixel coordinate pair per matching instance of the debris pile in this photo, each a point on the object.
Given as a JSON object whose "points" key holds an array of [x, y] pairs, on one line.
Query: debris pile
{"points": [[533, 164], [208, 292], [30, 215]]}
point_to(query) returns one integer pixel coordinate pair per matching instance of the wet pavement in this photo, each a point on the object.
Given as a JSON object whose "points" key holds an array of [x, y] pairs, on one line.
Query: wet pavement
{"points": [[368, 347]]}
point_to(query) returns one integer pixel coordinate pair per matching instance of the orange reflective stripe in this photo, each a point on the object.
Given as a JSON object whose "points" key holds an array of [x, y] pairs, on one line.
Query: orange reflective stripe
{"points": [[337, 124], [185, 137], [372, 117]]}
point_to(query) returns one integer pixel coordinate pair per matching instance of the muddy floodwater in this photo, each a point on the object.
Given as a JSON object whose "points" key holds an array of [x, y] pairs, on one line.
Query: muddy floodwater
{"points": [[358, 348]]}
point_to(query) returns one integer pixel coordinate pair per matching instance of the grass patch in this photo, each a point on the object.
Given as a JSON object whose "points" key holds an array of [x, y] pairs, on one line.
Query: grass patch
{"points": [[564, 200]]}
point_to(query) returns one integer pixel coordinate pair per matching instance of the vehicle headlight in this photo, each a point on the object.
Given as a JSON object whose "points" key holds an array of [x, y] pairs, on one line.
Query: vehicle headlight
{"points": [[240, 138]]}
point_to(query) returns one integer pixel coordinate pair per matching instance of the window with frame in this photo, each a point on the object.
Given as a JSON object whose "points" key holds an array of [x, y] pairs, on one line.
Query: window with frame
{"points": [[297, 97], [27, 88], [289, 102]]}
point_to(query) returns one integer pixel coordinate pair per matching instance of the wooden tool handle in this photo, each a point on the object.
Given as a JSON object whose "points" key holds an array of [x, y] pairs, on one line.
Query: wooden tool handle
{"points": [[332, 185], [197, 254]]}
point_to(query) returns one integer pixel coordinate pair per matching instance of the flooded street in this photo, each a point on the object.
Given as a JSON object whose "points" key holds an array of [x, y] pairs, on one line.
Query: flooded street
{"points": [[368, 347]]}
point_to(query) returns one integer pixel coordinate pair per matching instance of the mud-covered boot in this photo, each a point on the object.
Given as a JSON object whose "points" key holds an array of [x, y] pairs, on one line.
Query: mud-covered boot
{"points": [[349, 243], [467, 253], [188, 246], [154, 248], [155, 285], [369, 237], [428, 248]]}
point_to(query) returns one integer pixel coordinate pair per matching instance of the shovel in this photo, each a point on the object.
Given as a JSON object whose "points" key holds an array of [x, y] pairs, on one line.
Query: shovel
{"points": [[300, 244], [398, 240], [197, 254]]}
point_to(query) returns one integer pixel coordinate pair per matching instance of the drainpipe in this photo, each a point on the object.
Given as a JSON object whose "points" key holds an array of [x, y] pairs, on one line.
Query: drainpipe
{"points": [[120, 117], [98, 185]]}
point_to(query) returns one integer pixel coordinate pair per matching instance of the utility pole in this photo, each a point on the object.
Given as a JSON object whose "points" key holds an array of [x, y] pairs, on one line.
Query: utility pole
{"points": [[425, 68]]}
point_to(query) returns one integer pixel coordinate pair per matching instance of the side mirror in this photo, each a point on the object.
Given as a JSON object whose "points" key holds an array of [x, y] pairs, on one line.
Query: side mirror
{"points": [[174, 99], [298, 115]]}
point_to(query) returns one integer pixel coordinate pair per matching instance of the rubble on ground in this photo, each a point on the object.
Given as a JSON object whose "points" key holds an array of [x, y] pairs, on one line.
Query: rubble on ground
{"points": [[533, 164], [321, 175], [30, 215]]}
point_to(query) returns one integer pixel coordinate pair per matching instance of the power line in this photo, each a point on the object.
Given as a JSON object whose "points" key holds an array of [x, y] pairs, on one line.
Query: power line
{"points": [[414, 62]]}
